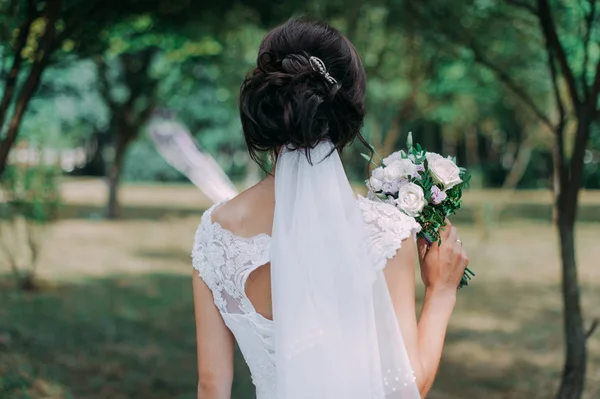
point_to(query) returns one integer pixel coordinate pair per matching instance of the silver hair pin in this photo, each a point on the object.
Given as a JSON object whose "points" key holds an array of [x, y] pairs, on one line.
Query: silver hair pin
{"points": [[319, 66]]}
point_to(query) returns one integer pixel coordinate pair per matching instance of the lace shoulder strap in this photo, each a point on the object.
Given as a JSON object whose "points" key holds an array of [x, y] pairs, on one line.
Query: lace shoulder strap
{"points": [[224, 261], [386, 228], [201, 251], [209, 257]]}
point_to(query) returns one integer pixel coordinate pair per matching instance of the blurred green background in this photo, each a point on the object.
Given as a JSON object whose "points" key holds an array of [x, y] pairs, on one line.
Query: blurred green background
{"points": [[95, 294]]}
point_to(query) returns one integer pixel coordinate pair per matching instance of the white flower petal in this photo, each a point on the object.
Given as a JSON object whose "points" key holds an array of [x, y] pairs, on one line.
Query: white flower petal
{"points": [[411, 199], [443, 170]]}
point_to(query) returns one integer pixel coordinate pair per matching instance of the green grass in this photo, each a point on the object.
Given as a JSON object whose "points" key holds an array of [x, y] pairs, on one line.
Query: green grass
{"points": [[128, 337], [116, 319]]}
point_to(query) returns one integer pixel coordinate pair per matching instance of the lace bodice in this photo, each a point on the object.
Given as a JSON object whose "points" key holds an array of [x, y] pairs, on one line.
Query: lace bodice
{"points": [[224, 261]]}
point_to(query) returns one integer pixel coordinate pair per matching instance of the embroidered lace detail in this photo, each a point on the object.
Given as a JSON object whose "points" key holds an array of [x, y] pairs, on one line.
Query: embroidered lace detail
{"points": [[387, 227], [224, 261]]}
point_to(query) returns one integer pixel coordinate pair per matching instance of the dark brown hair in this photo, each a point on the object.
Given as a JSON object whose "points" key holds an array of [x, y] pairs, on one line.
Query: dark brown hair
{"points": [[284, 101]]}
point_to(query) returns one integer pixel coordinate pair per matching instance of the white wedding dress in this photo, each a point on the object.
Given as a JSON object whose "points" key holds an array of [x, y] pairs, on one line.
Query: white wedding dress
{"points": [[224, 261]]}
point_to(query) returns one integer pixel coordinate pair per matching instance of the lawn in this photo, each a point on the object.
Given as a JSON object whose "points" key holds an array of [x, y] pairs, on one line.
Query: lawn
{"points": [[84, 196], [115, 319]]}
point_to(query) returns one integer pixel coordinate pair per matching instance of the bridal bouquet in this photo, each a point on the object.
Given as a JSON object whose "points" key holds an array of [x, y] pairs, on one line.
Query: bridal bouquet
{"points": [[423, 185]]}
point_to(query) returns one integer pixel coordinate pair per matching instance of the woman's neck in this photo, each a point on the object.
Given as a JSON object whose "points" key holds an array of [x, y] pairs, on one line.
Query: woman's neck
{"points": [[268, 182]]}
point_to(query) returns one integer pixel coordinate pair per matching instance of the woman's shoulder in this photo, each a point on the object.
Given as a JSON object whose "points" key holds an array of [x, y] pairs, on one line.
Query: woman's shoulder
{"points": [[245, 216], [387, 228], [229, 225], [248, 214]]}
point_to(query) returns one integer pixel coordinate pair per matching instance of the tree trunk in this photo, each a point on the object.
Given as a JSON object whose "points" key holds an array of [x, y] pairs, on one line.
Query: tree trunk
{"points": [[11, 79], [391, 138], [376, 138], [46, 44], [29, 88], [448, 142], [114, 176], [573, 377], [472, 147], [125, 120], [568, 185]]}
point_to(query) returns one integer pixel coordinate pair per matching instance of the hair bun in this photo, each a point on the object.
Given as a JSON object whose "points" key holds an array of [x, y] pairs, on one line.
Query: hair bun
{"points": [[295, 63], [285, 100]]}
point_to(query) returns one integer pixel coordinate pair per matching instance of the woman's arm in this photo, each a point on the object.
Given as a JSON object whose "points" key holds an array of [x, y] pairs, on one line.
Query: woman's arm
{"points": [[425, 340], [215, 345], [433, 323]]}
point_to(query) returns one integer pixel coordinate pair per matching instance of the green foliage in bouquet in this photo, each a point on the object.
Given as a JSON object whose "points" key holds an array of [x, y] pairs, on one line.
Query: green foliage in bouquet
{"points": [[441, 194]]}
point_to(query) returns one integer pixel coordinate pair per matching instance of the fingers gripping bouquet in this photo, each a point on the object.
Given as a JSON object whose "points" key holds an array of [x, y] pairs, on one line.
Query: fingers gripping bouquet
{"points": [[423, 185]]}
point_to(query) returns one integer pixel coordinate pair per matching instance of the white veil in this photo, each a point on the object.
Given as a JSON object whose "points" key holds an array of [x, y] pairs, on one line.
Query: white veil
{"points": [[336, 334]]}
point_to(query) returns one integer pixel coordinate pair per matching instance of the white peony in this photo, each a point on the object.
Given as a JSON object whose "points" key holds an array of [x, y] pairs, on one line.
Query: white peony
{"points": [[401, 168], [375, 184], [378, 173], [396, 156], [411, 199], [443, 170], [377, 179]]}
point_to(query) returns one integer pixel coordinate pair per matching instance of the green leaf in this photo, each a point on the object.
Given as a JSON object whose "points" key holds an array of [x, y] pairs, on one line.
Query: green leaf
{"points": [[369, 159]]}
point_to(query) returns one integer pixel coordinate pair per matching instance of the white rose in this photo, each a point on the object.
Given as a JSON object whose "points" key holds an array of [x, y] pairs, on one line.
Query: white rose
{"points": [[375, 183], [411, 199], [443, 170], [399, 169]]}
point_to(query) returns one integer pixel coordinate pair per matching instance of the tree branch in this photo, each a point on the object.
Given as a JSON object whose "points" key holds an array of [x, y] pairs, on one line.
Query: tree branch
{"points": [[34, 246], [90, 10], [464, 39], [585, 118], [559, 164], [104, 85], [558, 98], [405, 110], [592, 328], [549, 30], [522, 5], [589, 20], [42, 58], [582, 136], [562, 114], [145, 114], [595, 90], [11, 80], [6, 248], [513, 86]]}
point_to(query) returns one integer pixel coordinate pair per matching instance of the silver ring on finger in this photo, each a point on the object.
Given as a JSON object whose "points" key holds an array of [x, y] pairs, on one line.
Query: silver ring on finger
{"points": [[459, 241]]}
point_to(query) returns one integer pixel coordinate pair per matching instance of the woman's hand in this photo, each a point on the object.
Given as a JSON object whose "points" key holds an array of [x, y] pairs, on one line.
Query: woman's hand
{"points": [[442, 266]]}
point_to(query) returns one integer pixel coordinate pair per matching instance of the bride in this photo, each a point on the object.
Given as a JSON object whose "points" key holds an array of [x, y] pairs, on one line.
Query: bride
{"points": [[316, 286]]}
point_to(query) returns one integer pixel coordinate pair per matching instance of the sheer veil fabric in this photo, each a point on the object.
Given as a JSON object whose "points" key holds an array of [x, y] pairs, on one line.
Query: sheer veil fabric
{"points": [[336, 334]]}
